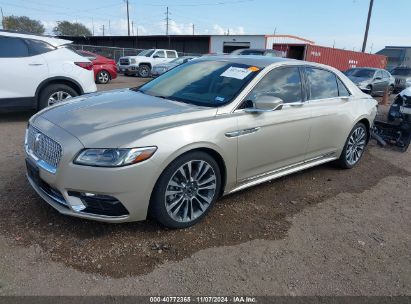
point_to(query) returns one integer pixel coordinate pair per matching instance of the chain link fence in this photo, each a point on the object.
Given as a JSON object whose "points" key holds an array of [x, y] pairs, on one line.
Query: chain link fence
{"points": [[116, 52]]}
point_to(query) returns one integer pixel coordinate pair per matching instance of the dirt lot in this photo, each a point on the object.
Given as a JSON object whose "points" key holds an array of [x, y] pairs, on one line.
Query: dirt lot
{"points": [[324, 231]]}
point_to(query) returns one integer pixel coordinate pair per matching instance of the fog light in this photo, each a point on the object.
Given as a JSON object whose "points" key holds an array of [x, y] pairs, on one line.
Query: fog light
{"points": [[100, 204]]}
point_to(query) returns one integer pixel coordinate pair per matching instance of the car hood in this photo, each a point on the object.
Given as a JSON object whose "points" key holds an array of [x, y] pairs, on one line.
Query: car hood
{"points": [[358, 79], [115, 118]]}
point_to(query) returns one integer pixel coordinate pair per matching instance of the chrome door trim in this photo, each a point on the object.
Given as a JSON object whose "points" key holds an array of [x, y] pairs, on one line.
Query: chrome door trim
{"points": [[241, 132], [261, 178]]}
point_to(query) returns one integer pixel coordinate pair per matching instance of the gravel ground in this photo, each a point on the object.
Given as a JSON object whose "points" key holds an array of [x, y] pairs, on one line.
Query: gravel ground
{"points": [[324, 231]]}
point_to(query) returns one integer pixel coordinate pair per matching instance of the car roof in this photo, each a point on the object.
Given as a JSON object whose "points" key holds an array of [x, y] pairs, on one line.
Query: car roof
{"points": [[365, 68], [50, 40], [260, 61]]}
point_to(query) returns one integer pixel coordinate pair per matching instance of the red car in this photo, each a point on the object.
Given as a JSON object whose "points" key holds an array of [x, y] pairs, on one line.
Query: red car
{"points": [[104, 68]]}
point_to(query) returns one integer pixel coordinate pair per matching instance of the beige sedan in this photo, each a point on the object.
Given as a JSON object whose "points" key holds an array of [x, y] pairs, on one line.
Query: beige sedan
{"points": [[207, 128]]}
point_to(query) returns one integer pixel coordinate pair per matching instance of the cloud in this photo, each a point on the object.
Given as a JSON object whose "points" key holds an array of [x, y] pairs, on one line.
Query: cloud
{"points": [[119, 28]]}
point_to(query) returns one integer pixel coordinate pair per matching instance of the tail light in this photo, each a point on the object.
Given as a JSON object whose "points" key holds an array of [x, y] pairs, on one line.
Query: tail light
{"points": [[85, 65]]}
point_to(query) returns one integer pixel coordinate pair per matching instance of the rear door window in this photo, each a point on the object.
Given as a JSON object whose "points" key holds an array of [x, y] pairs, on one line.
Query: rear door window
{"points": [[342, 89], [322, 83], [160, 54], [37, 47], [11, 47], [171, 54]]}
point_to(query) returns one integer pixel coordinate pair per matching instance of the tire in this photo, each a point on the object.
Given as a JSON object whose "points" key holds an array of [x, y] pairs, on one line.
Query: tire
{"points": [[356, 143], [144, 71], [176, 201], [58, 92], [103, 77]]}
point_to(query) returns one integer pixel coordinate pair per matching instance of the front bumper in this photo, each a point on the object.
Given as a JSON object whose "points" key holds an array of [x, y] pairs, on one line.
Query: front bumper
{"points": [[130, 185], [128, 68]]}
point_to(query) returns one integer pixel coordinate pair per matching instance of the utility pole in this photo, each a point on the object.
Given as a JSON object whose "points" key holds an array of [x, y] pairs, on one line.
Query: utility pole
{"points": [[364, 44], [132, 28], [167, 21], [2, 18], [92, 23], [128, 19], [109, 28], [193, 29], [103, 29]]}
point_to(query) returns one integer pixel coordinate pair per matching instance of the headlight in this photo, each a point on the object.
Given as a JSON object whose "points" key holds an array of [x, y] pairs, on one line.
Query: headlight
{"points": [[363, 83], [113, 157]]}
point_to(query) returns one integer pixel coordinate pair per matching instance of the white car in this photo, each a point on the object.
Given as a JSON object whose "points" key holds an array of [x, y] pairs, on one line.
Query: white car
{"points": [[144, 61], [38, 71]]}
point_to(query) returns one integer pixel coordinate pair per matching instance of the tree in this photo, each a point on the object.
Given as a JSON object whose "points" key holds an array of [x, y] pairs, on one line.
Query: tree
{"points": [[66, 28], [23, 24]]}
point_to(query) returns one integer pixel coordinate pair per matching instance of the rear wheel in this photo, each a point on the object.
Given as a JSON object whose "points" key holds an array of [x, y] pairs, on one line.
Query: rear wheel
{"points": [[186, 190], [55, 93], [103, 77], [354, 146], [144, 71]]}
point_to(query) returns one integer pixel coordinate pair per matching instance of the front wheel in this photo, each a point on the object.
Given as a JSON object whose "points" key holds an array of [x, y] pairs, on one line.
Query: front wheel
{"points": [[186, 190], [354, 146], [144, 71]]}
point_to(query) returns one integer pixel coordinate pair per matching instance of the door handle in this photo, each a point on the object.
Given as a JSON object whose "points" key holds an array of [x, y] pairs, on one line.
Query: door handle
{"points": [[35, 64]]}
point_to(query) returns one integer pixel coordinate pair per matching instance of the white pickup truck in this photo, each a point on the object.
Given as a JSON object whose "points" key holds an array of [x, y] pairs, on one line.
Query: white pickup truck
{"points": [[143, 62]]}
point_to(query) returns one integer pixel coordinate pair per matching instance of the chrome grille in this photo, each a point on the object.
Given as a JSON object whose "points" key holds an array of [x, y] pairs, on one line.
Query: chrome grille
{"points": [[43, 147], [124, 61]]}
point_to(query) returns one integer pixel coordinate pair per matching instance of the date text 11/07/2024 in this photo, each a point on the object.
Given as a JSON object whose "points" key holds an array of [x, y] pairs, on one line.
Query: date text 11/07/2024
{"points": [[236, 299]]}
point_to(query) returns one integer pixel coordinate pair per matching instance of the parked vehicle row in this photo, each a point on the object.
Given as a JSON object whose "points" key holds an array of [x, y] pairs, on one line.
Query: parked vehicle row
{"points": [[142, 64], [371, 80], [209, 127]]}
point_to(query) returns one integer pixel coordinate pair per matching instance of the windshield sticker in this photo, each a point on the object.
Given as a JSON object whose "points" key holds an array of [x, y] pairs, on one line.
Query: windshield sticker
{"points": [[237, 73], [219, 99]]}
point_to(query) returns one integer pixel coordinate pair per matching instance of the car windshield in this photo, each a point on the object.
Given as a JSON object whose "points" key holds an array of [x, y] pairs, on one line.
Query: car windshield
{"points": [[205, 83], [363, 73], [251, 52], [401, 72], [146, 53], [178, 60]]}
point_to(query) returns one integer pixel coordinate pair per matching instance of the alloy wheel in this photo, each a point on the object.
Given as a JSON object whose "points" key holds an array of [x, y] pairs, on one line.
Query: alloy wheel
{"points": [[190, 191], [58, 97], [355, 146], [103, 77]]}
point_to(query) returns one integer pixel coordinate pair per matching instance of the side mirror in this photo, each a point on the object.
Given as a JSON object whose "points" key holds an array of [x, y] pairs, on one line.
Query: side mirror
{"points": [[156, 56], [266, 103], [378, 78]]}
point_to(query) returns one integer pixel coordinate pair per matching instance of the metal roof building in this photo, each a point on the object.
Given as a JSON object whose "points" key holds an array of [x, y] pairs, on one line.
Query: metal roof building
{"points": [[397, 56]]}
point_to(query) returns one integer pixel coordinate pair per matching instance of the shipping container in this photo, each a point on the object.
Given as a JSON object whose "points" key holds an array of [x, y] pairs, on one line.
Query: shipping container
{"points": [[337, 58]]}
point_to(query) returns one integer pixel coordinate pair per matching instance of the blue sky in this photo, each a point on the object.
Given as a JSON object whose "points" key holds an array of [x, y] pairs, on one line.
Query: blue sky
{"points": [[325, 21]]}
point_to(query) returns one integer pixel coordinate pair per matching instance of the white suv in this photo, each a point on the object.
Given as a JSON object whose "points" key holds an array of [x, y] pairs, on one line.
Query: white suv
{"points": [[37, 71], [144, 61]]}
